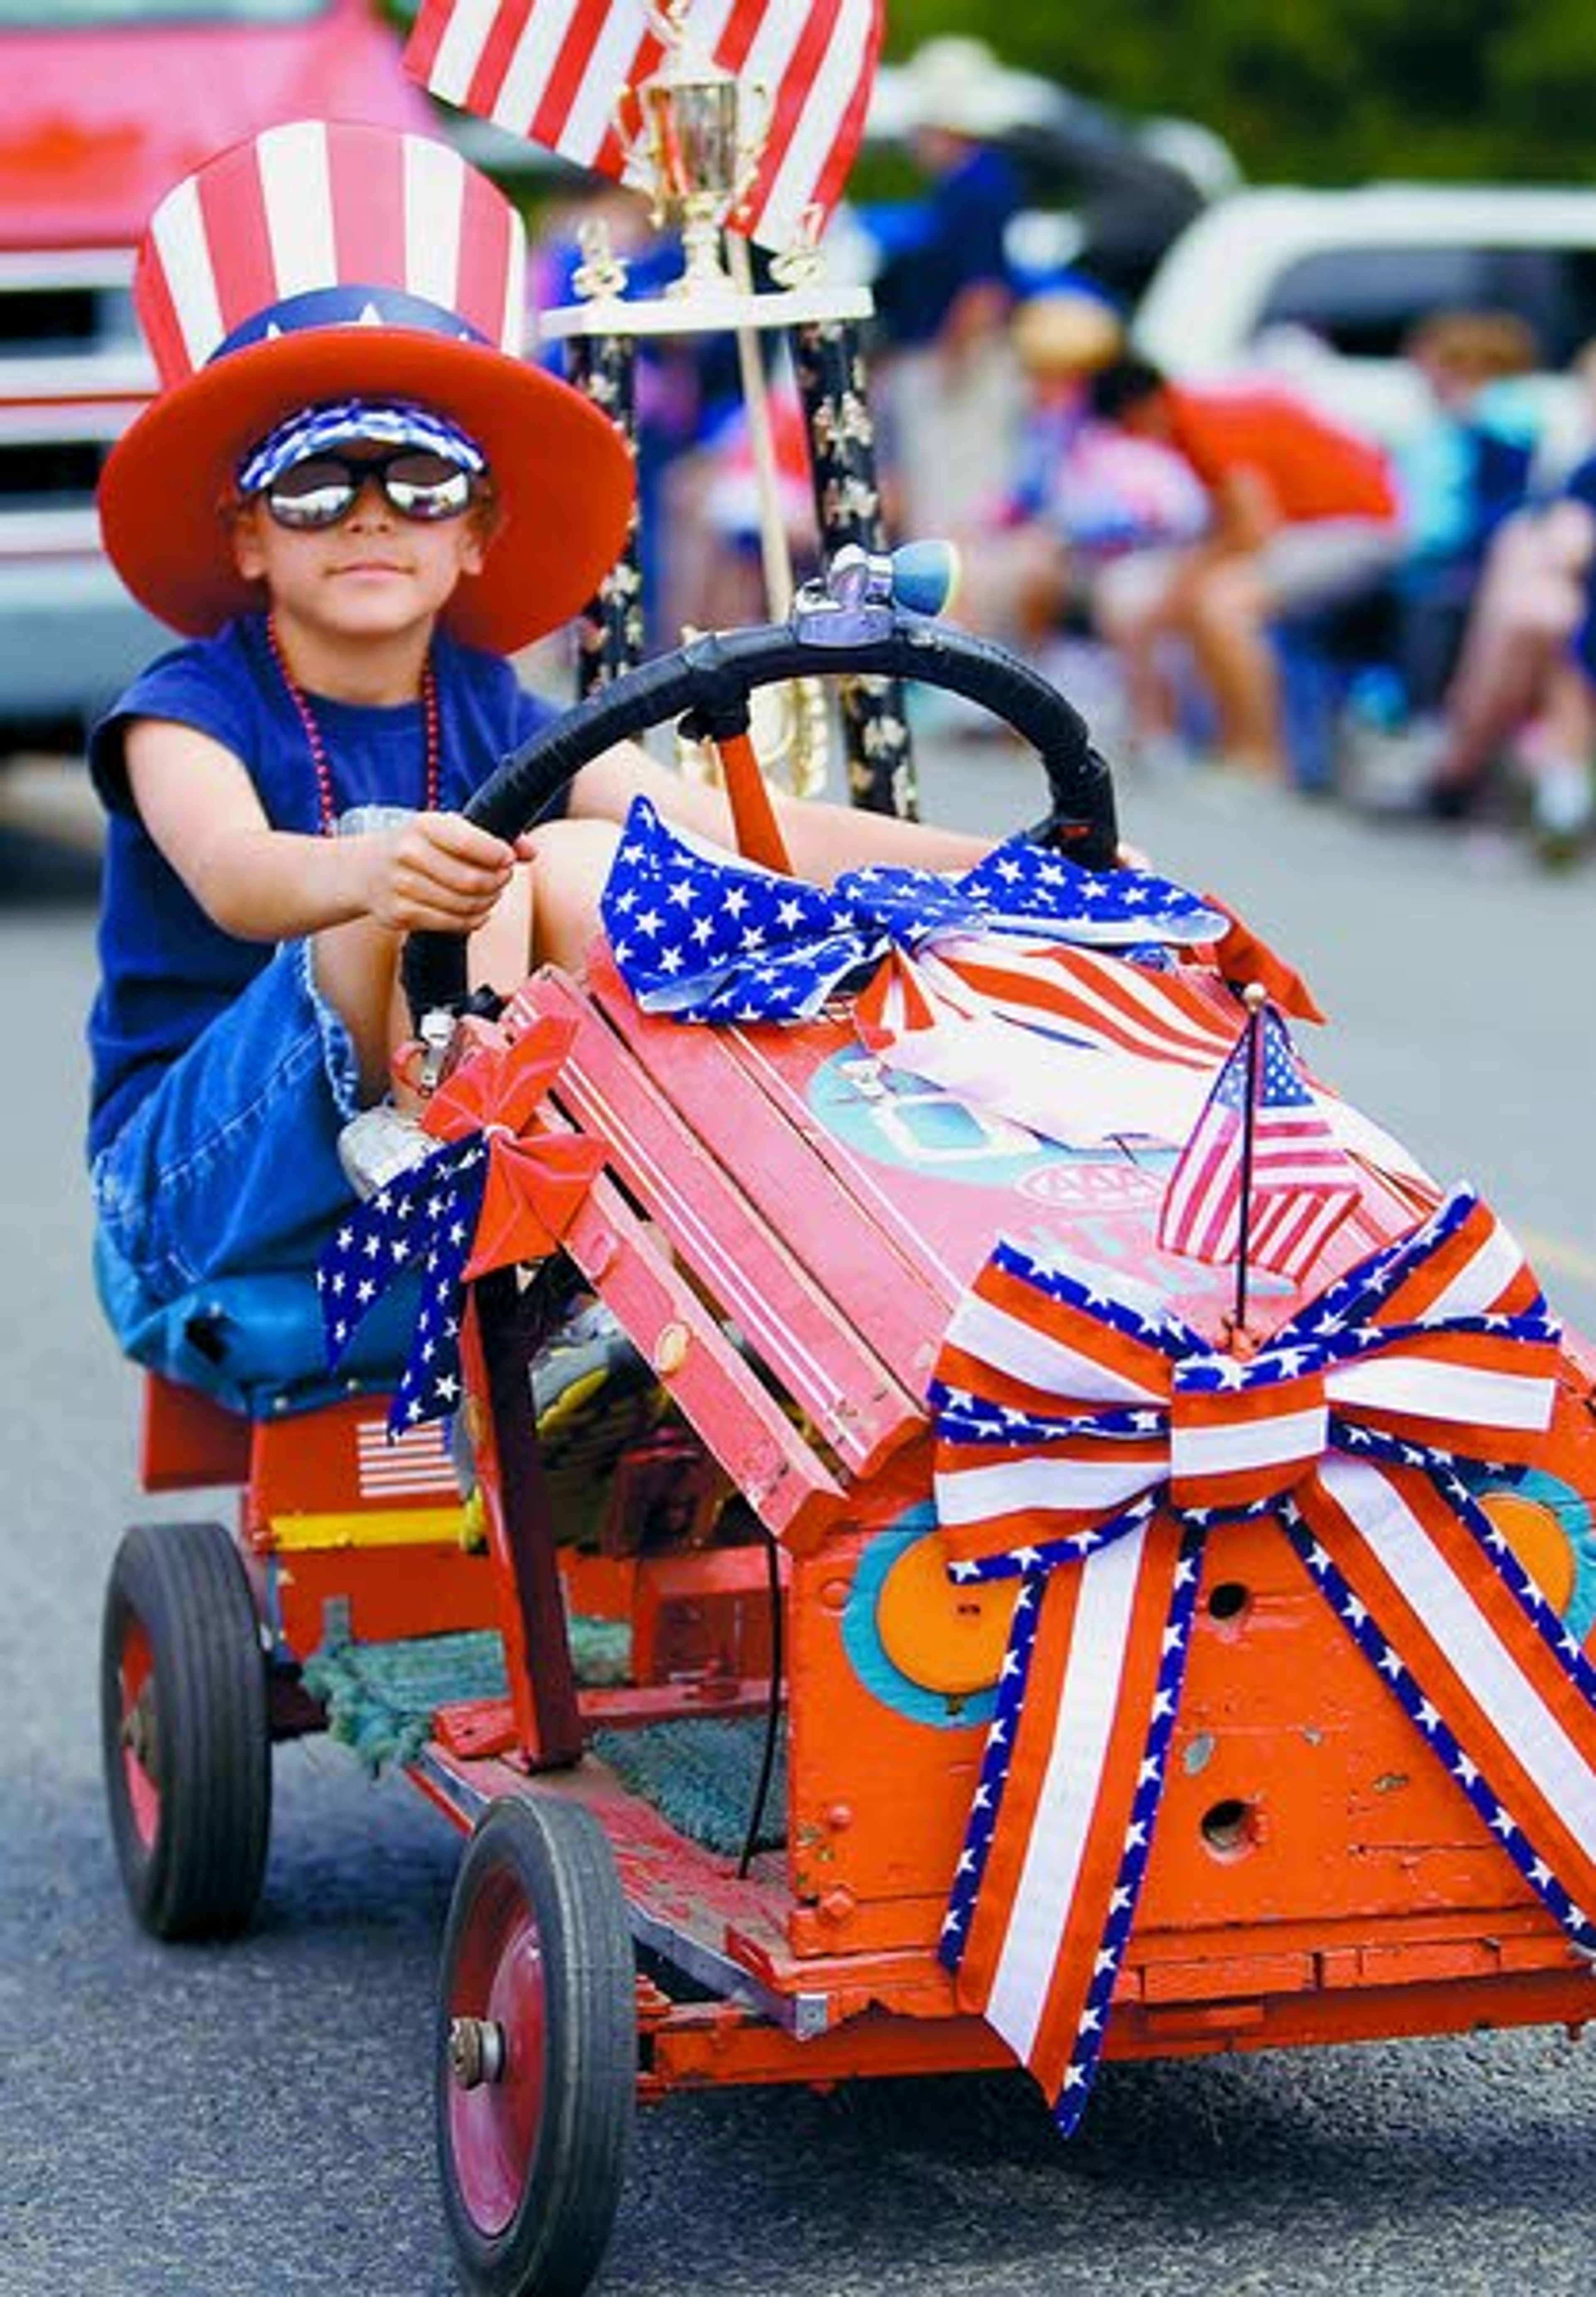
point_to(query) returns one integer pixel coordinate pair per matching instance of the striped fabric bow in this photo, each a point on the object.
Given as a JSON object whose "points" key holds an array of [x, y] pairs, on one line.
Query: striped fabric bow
{"points": [[1082, 1427]]}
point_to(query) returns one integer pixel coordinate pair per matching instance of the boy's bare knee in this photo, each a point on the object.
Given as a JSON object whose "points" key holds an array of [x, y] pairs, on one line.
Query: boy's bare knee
{"points": [[569, 864]]}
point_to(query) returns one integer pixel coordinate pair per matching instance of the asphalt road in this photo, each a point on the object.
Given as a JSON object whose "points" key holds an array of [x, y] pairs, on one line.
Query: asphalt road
{"points": [[254, 2122]]}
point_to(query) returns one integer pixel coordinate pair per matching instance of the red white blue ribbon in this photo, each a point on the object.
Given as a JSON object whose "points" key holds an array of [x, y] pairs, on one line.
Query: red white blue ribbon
{"points": [[1089, 1442]]}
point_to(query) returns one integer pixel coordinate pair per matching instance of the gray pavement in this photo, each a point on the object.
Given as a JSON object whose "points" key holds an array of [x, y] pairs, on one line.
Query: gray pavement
{"points": [[255, 2121]]}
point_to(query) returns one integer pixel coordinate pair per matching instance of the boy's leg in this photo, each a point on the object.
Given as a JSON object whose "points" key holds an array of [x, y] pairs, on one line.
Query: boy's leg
{"points": [[547, 914], [356, 967]]}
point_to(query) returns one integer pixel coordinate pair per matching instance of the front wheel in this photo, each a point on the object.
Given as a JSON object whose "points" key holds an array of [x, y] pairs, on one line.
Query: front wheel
{"points": [[536, 2067], [184, 1732]]}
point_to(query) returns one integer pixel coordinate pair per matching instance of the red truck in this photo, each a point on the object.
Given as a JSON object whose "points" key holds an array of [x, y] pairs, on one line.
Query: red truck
{"points": [[103, 113]]}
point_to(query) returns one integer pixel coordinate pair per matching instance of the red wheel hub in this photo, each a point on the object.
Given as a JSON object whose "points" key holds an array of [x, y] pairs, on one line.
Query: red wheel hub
{"points": [[496, 2110], [136, 1670]]}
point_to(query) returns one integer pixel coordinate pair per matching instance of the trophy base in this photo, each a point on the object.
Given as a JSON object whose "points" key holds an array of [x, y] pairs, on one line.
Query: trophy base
{"points": [[704, 308]]}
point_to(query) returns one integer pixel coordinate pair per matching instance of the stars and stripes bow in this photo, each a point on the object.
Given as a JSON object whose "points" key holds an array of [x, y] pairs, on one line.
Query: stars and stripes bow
{"points": [[696, 932], [552, 71], [494, 1194], [1089, 1441]]}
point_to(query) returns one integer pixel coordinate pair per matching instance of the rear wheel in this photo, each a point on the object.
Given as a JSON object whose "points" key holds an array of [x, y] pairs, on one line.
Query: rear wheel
{"points": [[536, 2069], [184, 1730]]}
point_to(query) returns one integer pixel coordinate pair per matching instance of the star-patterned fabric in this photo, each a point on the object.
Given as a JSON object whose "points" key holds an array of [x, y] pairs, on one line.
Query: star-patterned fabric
{"points": [[424, 1222], [700, 933]]}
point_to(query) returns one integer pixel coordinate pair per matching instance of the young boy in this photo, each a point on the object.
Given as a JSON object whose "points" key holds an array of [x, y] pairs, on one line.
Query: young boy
{"points": [[356, 500]]}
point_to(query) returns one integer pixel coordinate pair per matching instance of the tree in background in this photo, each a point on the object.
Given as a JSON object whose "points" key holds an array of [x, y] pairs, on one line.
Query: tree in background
{"points": [[1502, 89]]}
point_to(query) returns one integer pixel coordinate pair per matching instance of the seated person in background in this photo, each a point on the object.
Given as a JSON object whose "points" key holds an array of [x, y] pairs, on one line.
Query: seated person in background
{"points": [[1303, 513], [1082, 491], [1460, 473], [1524, 679]]}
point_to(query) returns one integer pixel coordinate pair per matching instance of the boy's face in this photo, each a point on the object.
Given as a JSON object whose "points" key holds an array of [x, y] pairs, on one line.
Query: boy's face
{"points": [[374, 574]]}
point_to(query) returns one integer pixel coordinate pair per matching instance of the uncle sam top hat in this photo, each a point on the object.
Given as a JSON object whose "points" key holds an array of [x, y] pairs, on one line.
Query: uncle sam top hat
{"points": [[324, 261]]}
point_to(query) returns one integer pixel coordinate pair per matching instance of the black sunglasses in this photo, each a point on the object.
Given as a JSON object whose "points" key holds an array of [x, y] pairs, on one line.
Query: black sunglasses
{"points": [[323, 488]]}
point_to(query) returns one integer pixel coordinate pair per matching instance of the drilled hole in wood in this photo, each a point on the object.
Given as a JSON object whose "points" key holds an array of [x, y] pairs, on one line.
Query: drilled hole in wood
{"points": [[1228, 1828]]}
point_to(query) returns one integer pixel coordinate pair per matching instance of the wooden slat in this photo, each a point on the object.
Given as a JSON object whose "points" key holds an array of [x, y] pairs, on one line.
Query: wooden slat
{"points": [[793, 1327], [878, 1276], [778, 1473]]}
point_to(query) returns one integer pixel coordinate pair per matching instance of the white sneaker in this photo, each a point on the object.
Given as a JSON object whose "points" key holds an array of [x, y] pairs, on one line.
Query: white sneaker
{"points": [[378, 1145], [1562, 808]]}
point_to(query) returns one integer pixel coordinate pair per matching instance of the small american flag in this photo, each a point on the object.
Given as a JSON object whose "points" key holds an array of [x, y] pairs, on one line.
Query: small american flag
{"points": [[417, 1463], [552, 71], [1293, 1182]]}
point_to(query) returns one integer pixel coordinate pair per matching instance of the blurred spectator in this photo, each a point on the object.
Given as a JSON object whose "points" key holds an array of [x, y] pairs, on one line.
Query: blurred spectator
{"points": [[945, 289], [1082, 491], [1301, 513], [1460, 474], [715, 515], [1524, 680], [1520, 703]]}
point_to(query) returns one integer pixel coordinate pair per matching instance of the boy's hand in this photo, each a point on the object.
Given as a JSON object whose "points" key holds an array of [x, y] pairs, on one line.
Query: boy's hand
{"points": [[437, 873]]}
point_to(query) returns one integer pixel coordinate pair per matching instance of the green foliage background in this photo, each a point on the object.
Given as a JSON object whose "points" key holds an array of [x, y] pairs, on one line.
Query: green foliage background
{"points": [[1320, 91]]}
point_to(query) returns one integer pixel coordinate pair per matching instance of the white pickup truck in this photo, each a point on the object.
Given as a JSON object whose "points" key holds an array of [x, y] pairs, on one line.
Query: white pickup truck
{"points": [[1325, 284]]}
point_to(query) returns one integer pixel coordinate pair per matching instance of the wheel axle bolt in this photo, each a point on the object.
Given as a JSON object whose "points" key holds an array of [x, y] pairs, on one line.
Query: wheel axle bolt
{"points": [[476, 2051]]}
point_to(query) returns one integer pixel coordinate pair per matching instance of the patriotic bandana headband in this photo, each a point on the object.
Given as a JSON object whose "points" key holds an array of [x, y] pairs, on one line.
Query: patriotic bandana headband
{"points": [[343, 423]]}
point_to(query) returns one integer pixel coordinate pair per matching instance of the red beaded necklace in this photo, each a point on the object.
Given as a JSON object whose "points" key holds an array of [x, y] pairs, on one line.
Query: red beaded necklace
{"points": [[321, 765]]}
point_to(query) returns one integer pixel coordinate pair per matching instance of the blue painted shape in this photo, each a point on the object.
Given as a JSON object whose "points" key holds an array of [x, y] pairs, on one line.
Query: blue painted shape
{"points": [[861, 1638]]}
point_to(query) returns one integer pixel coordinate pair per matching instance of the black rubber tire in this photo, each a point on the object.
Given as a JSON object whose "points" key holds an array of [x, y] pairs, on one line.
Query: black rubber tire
{"points": [[536, 1885], [181, 1665]]}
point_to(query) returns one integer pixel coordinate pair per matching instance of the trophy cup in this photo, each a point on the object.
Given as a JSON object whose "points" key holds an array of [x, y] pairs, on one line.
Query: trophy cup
{"points": [[694, 136], [690, 149]]}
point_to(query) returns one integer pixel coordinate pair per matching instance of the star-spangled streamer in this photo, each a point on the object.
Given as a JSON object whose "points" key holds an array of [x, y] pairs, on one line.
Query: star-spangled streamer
{"points": [[1085, 1430], [502, 1190], [424, 1222], [700, 933]]}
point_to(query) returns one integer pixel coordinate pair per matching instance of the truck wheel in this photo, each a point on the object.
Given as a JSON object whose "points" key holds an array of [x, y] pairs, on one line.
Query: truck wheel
{"points": [[536, 2066], [184, 1732]]}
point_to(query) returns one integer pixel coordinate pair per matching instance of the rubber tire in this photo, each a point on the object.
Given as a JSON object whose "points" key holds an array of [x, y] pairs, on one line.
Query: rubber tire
{"points": [[539, 1861], [178, 1604]]}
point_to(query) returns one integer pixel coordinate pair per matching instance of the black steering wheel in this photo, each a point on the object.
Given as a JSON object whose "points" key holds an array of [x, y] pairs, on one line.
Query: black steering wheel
{"points": [[708, 683]]}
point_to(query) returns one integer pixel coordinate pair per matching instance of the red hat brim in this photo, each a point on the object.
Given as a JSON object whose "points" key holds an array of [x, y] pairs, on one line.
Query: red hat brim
{"points": [[562, 475]]}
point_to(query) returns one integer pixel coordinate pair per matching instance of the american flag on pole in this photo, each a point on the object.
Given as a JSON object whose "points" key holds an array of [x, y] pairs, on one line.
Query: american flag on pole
{"points": [[552, 71], [1284, 1172]]}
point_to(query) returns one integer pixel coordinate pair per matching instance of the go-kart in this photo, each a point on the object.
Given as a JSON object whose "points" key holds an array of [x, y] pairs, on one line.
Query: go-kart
{"points": [[856, 1528]]}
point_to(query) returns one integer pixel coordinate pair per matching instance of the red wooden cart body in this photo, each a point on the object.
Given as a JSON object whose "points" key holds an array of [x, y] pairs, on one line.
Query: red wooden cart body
{"points": [[783, 1232]]}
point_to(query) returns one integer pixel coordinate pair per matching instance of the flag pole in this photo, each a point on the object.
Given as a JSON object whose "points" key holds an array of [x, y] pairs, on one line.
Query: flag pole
{"points": [[1254, 997], [775, 553]]}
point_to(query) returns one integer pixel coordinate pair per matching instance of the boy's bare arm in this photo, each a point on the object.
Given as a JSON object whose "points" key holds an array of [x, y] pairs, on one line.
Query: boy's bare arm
{"points": [[821, 839], [437, 872]]}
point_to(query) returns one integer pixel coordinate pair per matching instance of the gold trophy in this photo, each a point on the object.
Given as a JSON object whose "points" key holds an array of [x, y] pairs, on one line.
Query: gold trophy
{"points": [[688, 147], [694, 136]]}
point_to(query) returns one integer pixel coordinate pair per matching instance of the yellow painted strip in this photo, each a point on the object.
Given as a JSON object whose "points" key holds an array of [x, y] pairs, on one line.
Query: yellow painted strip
{"points": [[372, 1527], [1557, 1252]]}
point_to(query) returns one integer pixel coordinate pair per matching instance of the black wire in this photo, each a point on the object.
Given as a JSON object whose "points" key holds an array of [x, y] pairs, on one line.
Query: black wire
{"points": [[772, 1709]]}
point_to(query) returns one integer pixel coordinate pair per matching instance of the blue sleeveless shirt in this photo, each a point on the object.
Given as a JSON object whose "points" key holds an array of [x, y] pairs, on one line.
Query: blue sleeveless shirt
{"points": [[166, 969]]}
